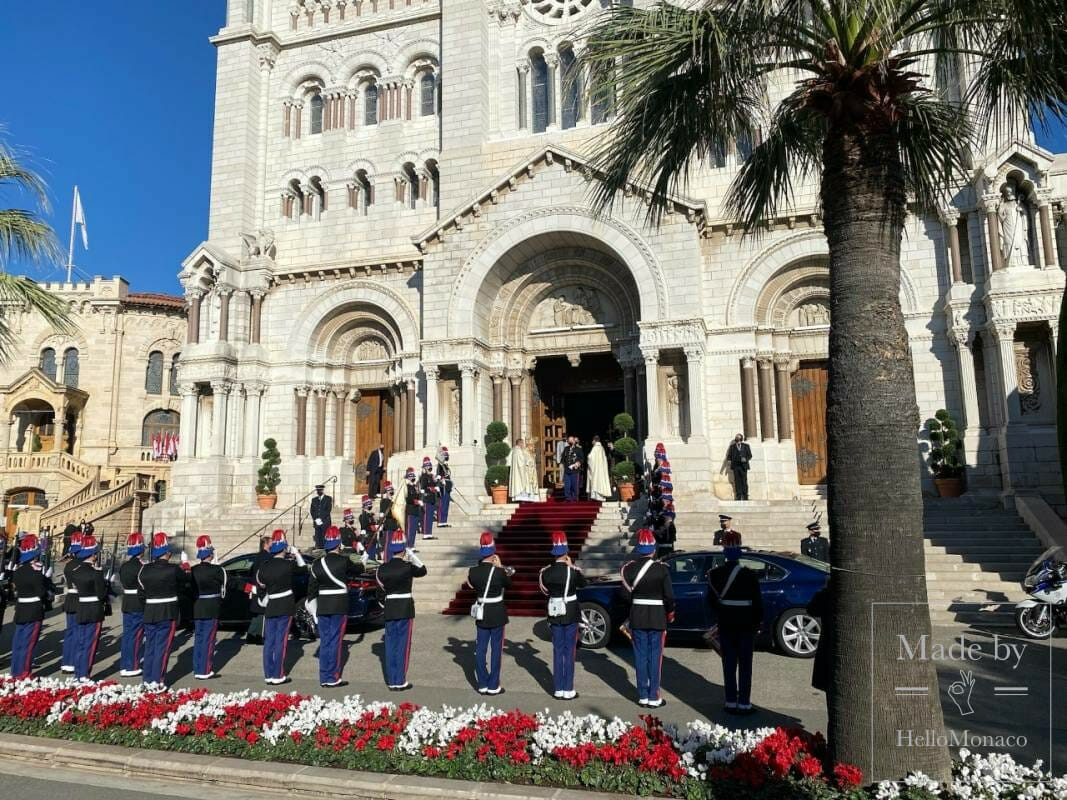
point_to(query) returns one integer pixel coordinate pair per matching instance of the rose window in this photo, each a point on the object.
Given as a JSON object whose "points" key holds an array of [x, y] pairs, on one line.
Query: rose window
{"points": [[559, 10]]}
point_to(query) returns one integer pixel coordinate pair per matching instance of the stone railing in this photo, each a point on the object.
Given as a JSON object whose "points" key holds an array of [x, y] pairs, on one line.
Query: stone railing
{"points": [[98, 504], [62, 510], [51, 462]]}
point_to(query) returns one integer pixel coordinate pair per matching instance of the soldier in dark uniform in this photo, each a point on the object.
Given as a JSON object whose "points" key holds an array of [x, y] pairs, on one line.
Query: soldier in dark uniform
{"points": [[254, 633], [395, 577], [428, 493], [572, 462], [328, 590], [444, 481], [159, 585], [369, 528], [735, 594], [726, 525], [813, 545], [646, 585], [390, 515], [132, 646], [321, 507], [412, 506], [561, 581], [665, 532], [70, 603], [740, 458], [92, 594], [31, 592], [9, 559], [275, 583], [489, 579], [209, 580], [351, 536]]}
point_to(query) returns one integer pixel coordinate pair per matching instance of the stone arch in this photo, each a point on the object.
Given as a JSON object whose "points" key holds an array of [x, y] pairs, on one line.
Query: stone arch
{"points": [[308, 71], [314, 323], [60, 342], [566, 226], [366, 61], [317, 171], [361, 164], [534, 43], [165, 344], [416, 54]]}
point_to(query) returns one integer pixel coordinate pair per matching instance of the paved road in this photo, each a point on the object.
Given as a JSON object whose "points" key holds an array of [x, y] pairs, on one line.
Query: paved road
{"points": [[442, 670]]}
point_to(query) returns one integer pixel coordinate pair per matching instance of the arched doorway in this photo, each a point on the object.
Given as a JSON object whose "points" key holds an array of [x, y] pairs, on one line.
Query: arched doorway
{"points": [[17, 502], [35, 425]]}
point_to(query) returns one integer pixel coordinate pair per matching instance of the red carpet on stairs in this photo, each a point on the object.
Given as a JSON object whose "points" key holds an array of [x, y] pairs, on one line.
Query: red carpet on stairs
{"points": [[524, 544]]}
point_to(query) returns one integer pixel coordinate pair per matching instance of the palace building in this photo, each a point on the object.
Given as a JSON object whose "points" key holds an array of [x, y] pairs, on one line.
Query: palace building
{"points": [[401, 249]]}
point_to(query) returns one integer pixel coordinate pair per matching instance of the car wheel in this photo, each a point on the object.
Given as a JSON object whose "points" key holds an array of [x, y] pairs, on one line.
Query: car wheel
{"points": [[306, 625], [797, 633], [594, 626]]}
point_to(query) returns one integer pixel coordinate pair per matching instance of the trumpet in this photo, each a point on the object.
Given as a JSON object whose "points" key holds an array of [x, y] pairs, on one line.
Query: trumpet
{"points": [[509, 571]]}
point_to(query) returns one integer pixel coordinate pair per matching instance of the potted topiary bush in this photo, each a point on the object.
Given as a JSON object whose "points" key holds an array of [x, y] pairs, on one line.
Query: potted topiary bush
{"points": [[496, 456], [268, 476], [625, 470], [946, 454]]}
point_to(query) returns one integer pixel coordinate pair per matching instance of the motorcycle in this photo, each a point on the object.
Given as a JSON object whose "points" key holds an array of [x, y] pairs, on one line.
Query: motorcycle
{"points": [[1046, 605]]}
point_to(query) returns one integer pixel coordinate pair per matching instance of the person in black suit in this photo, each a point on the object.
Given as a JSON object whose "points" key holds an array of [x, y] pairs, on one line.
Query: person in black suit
{"points": [[734, 593], [321, 506], [561, 581], [572, 461], [375, 470], [489, 578], [646, 585], [740, 458], [159, 585], [813, 545]]}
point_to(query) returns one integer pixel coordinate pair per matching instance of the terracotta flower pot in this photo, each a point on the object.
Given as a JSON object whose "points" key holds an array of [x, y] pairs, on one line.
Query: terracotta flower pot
{"points": [[949, 487], [500, 495], [626, 492], [267, 501]]}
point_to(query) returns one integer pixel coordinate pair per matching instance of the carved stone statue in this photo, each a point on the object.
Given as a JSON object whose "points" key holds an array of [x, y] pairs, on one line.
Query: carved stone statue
{"points": [[371, 350], [259, 244], [811, 314], [674, 404], [561, 312], [1014, 216], [454, 414], [584, 309]]}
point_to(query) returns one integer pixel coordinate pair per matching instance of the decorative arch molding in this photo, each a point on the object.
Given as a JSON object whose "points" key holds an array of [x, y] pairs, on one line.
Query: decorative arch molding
{"points": [[165, 344], [330, 302], [408, 156], [60, 342], [301, 74], [318, 171], [361, 164], [621, 240], [534, 42], [409, 56], [294, 175], [367, 61], [429, 153]]}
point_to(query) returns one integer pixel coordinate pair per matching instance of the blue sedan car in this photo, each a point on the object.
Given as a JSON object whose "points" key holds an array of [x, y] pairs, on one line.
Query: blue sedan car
{"points": [[788, 583]]}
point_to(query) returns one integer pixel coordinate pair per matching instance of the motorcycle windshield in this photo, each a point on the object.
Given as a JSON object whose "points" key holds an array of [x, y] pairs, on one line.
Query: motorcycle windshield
{"points": [[1055, 554]]}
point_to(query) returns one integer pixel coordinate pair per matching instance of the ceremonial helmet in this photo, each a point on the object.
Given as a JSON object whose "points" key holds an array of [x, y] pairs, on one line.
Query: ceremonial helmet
{"points": [[347, 515], [426, 463], [660, 450], [367, 501], [388, 487], [204, 548], [410, 474], [29, 548], [646, 543], [559, 544], [398, 543], [277, 541], [666, 485], [442, 454], [160, 544], [332, 538], [134, 544], [75, 542], [486, 545], [89, 547]]}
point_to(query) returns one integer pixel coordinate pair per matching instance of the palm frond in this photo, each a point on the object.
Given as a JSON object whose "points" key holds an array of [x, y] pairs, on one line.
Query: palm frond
{"points": [[933, 137], [25, 236], [19, 291], [13, 171]]}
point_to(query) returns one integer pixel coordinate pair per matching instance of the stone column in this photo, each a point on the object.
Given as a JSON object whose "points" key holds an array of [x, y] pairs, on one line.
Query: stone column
{"points": [[991, 358], [641, 417], [398, 418], [60, 425], [766, 399], [655, 423], [235, 427], [748, 396], [552, 60], [255, 326], [968, 383], [498, 396], [340, 394], [468, 401], [989, 205], [694, 357], [1044, 213], [255, 397], [628, 388], [433, 374], [221, 391], [187, 421], [192, 335], [409, 415], [5, 430], [320, 421], [301, 419], [224, 313], [783, 394], [949, 217], [515, 379], [1009, 379]]}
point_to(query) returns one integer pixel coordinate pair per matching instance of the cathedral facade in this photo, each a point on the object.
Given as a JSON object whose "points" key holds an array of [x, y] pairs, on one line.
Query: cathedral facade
{"points": [[402, 248]]}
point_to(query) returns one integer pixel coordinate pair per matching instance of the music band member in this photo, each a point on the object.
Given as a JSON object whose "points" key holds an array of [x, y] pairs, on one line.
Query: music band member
{"points": [[444, 480], [489, 579], [646, 584], [70, 602], [31, 592], [412, 506], [395, 577], [132, 647], [275, 587], [92, 595], [159, 585], [561, 581], [428, 493], [209, 580], [328, 595]]}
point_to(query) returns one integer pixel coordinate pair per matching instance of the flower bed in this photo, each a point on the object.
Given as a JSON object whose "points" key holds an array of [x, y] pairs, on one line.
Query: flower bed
{"points": [[480, 743]]}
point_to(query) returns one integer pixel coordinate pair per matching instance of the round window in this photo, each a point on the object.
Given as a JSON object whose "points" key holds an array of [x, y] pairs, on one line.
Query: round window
{"points": [[559, 10]]}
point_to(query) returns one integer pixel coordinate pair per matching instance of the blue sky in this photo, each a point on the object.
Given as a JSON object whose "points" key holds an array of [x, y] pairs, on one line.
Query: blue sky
{"points": [[118, 97]]}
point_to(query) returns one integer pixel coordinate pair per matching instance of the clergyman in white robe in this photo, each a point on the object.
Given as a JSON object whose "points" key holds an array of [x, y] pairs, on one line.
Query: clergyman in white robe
{"points": [[522, 480], [598, 480]]}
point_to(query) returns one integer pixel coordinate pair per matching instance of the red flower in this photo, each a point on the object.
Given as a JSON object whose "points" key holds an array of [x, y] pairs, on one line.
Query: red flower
{"points": [[809, 766], [848, 776]]}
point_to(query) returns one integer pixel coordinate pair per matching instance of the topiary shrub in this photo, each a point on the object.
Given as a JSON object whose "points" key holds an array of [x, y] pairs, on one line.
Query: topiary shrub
{"points": [[945, 458], [497, 475], [268, 476], [624, 471], [623, 423], [496, 454], [625, 446]]}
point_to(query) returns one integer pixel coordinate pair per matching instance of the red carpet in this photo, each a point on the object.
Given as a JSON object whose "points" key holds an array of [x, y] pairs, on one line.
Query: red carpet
{"points": [[524, 544]]}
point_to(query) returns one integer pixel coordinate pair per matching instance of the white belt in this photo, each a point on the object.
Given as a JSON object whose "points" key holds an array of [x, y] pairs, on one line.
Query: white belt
{"points": [[641, 601], [129, 591], [156, 601], [569, 598], [398, 596], [72, 590], [29, 599], [493, 599], [735, 602], [280, 595], [209, 596], [332, 591], [88, 599]]}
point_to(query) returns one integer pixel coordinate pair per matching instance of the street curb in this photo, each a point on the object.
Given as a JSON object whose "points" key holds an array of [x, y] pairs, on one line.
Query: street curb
{"points": [[319, 782]]}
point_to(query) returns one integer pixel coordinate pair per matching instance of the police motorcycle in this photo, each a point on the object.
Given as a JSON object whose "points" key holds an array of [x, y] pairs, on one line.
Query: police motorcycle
{"points": [[1046, 605]]}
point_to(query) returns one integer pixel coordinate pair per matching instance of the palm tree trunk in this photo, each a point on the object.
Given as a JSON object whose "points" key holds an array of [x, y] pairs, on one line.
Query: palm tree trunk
{"points": [[875, 499]]}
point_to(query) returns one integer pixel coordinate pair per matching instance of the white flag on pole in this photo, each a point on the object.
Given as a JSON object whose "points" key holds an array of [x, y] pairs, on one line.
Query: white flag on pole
{"points": [[79, 217]]}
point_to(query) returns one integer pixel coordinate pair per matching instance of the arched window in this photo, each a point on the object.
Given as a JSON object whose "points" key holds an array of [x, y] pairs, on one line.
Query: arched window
{"points": [[172, 388], [744, 147], [318, 196], [297, 203], [157, 424], [316, 113], [428, 96], [539, 87], [434, 176], [370, 104], [411, 179], [48, 362], [71, 368], [364, 194], [570, 105], [153, 375]]}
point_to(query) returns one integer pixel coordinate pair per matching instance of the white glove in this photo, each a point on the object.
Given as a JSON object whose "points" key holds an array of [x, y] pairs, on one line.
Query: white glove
{"points": [[363, 557], [413, 557], [185, 557], [318, 521], [296, 556], [48, 572]]}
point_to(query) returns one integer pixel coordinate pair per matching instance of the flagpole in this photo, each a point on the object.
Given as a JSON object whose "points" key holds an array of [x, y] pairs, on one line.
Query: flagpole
{"points": [[73, 217]]}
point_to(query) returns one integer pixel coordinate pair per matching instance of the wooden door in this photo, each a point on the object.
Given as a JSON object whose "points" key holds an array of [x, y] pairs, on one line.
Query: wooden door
{"points": [[809, 421], [550, 426], [374, 425]]}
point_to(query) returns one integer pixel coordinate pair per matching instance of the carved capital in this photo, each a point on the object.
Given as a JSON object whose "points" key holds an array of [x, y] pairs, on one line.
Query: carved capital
{"points": [[1043, 196], [1004, 331], [268, 56], [432, 372], [221, 387], [990, 202], [303, 391], [650, 355], [949, 215], [468, 370], [694, 354], [748, 362], [187, 389]]}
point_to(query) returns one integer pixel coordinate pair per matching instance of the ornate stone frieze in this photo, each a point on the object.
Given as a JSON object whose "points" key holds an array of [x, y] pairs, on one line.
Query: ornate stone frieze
{"points": [[672, 333], [1027, 307]]}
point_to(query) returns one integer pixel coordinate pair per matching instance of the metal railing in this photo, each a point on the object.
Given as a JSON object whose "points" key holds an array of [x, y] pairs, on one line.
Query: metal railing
{"points": [[297, 520]]}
